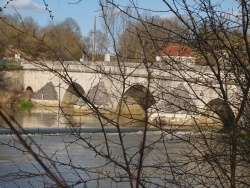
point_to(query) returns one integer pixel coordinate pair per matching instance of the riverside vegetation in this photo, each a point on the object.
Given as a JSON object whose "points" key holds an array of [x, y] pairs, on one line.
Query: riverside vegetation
{"points": [[15, 99], [9, 97]]}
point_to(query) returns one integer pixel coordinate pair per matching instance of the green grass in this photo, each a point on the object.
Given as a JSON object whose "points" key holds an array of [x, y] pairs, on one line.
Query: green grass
{"points": [[25, 105]]}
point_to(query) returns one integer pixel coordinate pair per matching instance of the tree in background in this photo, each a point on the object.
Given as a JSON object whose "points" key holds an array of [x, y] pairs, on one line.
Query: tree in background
{"points": [[206, 157], [148, 37], [23, 36], [64, 39], [99, 45]]}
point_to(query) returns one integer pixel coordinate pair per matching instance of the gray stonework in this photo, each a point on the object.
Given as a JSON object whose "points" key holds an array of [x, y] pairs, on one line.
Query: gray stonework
{"points": [[98, 95], [177, 100], [47, 92]]}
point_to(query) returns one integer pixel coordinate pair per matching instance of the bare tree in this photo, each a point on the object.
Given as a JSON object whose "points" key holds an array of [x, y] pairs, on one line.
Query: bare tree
{"points": [[217, 46], [100, 46], [203, 76]]}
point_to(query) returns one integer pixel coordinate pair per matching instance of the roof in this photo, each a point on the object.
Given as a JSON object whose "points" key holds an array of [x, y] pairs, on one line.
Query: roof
{"points": [[177, 51]]}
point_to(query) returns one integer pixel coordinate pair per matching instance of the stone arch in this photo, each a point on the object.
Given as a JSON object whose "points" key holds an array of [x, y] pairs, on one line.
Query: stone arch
{"points": [[218, 108], [29, 89], [72, 94], [136, 101], [29, 92]]}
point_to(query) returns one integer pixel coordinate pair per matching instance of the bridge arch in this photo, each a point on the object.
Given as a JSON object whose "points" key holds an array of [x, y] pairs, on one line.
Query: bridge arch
{"points": [[29, 89], [72, 94], [137, 99], [218, 109]]}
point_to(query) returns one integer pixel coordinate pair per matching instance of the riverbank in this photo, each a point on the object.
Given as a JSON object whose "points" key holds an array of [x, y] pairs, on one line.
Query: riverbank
{"points": [[11, 98]]}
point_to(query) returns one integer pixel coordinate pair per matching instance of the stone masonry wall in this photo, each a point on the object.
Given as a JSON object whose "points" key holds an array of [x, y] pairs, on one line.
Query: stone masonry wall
{"points": [[12, 80]]}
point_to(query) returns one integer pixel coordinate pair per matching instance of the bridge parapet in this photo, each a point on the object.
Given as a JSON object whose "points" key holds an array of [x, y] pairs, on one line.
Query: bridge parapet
{"points": [[86, 66], [158, 69]]}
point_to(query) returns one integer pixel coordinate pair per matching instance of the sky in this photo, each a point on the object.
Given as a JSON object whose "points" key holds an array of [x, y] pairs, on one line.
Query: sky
{"points": [[83, 12]]}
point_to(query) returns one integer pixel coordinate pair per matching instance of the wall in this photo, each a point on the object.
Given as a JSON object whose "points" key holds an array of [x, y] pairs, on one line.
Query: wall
{"points": [[13, 80]]}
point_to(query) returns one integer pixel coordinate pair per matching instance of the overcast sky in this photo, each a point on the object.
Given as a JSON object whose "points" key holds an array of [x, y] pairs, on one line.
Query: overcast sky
{"points": [[83, 12]]}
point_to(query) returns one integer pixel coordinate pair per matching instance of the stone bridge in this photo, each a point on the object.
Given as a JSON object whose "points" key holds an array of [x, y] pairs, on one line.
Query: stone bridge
{"points": [[173, 90]]}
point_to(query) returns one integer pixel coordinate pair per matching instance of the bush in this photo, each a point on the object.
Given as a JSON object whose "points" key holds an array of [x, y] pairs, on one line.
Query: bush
{"points": [[10, 65], [25, 105]]}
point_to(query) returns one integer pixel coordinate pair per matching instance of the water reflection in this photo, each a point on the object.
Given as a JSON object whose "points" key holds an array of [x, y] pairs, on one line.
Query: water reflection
{"points": [[52, 117], [33, 118], [70, 117]]}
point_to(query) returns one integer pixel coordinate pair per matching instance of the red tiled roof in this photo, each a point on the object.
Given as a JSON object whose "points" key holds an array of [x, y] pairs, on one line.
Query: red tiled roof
{"points": [[177, 51]]}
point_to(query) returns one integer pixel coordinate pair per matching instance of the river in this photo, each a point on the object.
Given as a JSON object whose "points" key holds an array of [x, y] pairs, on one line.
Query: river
{"points": [[169, 161], [52, 117]]}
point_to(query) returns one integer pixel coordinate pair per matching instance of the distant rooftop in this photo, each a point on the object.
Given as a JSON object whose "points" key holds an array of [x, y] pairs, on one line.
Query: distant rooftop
{"points": [[177, 51]]}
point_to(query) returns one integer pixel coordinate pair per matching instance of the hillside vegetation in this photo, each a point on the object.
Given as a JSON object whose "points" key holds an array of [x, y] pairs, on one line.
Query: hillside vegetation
{"points": [[25, 37]]}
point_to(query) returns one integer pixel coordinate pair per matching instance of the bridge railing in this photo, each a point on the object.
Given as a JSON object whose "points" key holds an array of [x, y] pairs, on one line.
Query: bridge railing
{"points": [[191, 73]]}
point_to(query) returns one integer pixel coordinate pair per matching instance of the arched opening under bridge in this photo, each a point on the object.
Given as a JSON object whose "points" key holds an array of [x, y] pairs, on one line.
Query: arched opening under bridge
{"points": [[72, 94], [218, 112], [137, 99], [29, 91]]}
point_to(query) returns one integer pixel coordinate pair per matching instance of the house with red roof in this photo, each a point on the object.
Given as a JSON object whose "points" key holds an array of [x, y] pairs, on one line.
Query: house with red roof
{"points": [[181, 54]]}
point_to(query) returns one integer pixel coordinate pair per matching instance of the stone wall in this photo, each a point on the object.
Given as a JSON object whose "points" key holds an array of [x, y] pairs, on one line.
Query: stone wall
{"points": [[12, 80]]}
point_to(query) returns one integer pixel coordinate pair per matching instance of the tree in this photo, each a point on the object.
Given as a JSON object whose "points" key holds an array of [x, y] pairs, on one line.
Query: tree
{"points": [[221, 49], [23, 36], [155, 34], [100, 48], [206, 157], [64, 40]]}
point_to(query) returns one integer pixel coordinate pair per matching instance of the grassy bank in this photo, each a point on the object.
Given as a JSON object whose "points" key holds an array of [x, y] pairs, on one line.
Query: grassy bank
{"points": [[15, 99]]}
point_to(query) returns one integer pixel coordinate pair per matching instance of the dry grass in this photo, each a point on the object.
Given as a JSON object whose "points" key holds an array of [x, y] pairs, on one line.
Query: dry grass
{"points": [[11, 98]]}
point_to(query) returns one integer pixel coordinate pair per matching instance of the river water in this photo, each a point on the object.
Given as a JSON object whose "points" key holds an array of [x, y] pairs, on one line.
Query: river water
{"points": [[52, 117], [75, 155]]}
